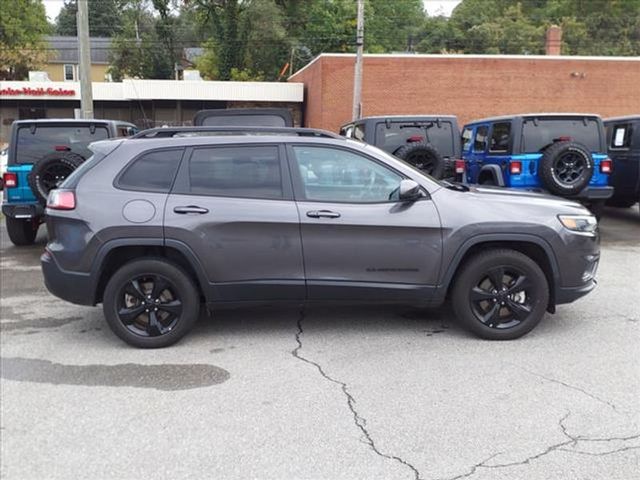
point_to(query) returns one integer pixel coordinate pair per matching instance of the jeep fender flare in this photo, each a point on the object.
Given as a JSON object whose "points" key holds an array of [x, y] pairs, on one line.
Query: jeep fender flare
{"points": [[463, 249], [496, 173]]}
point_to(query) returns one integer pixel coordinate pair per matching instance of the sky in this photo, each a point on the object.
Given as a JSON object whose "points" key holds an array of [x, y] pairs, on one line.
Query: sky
{"points": [[434, 7]]}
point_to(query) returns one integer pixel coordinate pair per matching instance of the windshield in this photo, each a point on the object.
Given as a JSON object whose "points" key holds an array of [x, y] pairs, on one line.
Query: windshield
{"points": [[540, 133], [34, 144]]}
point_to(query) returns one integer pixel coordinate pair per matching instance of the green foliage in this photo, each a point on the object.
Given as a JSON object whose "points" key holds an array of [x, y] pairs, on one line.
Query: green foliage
{"points": [[590, 27], [23, 23], [104, 18]]}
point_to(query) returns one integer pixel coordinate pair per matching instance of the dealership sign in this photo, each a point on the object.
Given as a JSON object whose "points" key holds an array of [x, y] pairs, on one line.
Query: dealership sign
{"points": [[38, 92]]}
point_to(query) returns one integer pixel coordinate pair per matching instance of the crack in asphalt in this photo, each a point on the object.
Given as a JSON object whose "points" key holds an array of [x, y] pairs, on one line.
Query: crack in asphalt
{"points": [[572, 440], [359, 421], [567, 385]]}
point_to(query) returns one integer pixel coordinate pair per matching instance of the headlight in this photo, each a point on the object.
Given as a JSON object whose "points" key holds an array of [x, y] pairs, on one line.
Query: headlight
{"points": [[579, 223]]}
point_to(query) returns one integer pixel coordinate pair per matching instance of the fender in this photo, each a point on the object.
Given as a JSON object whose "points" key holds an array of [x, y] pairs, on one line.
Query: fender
{"points": [[496, 173], [497, 237]]}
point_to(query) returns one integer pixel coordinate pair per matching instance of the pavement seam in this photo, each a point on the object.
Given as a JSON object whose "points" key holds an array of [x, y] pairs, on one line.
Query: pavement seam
{"points": [[569, 386], [358, 420], [572, 440]]}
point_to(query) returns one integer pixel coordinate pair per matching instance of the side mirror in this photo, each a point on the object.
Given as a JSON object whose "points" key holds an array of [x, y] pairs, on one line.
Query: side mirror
{"points": [[409, 191]]}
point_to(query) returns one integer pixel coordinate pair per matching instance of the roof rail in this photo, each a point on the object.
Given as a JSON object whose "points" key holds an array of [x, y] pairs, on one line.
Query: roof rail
{"points": [[169, 132]]}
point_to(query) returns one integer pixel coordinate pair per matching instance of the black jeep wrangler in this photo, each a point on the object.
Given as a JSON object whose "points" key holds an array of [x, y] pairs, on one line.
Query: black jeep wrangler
{"points": [[623, 139], [430, 143]]}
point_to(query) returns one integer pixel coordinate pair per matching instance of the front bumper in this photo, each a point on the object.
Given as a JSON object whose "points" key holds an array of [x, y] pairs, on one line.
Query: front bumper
{"points": [[73, 287], [23, 210], [571, 294]]}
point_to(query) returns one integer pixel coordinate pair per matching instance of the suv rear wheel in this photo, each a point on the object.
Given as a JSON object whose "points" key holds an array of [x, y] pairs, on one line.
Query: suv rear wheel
{"points": [[566, 168], [151, 303], [423, 156], [500, 294], [22, 232], [50, 171]]}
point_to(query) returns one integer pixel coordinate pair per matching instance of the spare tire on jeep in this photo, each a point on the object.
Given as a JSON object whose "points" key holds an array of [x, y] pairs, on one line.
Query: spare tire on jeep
{"points": [[423, 156], [566, 168], [50, 171]]}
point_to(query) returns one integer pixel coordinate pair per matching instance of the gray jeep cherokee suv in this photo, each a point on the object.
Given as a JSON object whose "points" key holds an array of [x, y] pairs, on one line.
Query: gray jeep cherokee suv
{"points": [[153, 227]]}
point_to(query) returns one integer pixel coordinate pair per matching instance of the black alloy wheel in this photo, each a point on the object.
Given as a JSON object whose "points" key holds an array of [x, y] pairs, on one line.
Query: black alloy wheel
{"points": [[502, 299], [500, 294], [569, 167], [422, 161], [53, 175], [151, 303], [149, 306]]}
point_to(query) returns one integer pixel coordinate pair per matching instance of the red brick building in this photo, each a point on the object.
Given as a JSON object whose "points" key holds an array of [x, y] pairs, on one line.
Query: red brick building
{"points": [[469, 86]]}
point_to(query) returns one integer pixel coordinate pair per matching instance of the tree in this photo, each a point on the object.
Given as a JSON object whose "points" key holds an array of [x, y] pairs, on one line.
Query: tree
{"points": [[23, 23], [104, 18]]}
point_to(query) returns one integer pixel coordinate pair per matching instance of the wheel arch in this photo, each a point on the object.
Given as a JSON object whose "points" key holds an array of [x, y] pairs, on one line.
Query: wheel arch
{"points": [[117, 253], [494, 172], [532, 246]]}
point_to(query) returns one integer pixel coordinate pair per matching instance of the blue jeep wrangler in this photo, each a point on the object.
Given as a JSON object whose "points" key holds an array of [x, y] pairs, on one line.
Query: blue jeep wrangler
{"points": [[563, 154], [42, 153]]}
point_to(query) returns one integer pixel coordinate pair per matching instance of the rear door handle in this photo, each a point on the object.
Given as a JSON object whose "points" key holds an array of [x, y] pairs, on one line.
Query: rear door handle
{"points": [[322, 214], [190, 209]]}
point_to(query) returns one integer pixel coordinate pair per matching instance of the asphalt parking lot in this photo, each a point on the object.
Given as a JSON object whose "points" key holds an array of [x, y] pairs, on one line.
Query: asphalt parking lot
{"points": [[329, 393]]}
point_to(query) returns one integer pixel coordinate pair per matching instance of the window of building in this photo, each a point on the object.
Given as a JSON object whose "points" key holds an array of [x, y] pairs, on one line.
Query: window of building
{"points": [[69, 72], [242, 171], [480, 142], [153, 172], [500, 136], [336, 175]]}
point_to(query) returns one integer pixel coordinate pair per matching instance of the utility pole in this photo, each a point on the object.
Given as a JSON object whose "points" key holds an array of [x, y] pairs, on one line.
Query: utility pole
{"points": [[86, 95], [357, 77]]}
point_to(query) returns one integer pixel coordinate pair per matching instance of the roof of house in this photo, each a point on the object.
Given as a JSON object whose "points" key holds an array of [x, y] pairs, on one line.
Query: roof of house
{"points": [[65, 49]]}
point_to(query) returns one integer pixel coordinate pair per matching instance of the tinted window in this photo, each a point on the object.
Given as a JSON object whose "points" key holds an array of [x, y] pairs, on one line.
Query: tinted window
{"points": [[399, 134], [335, 175], [153, 171], [252, 172], [244, 121], [467, 134], [539, 134], [358, 132], [500, 137], [32, 146], [480, 142], [620, 135]]}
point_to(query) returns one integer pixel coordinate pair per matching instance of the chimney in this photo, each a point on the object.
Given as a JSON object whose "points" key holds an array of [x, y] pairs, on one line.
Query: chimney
{"points": [[553, 44]]}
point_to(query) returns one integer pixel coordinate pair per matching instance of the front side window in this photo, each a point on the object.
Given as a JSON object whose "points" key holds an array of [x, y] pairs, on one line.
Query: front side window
{"points": [[336, 175], [153, 172], [69, 73], [500, 137], [238, 171], [621, 136], [480, 141]]}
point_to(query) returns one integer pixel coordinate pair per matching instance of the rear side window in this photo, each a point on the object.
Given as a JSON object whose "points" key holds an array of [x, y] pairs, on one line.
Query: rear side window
{"points": [[467, 134], [621, 136], [34, 143], [152, 172], [500, 137], [540, 133], [480, 141], [250, 172]]}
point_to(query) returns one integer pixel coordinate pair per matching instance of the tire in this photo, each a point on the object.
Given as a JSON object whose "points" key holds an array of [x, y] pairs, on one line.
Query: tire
{"points": [[597, 208], [423, 156], [506, 315], [130, 291], [50, 171], [22, 232], [566, 168]]}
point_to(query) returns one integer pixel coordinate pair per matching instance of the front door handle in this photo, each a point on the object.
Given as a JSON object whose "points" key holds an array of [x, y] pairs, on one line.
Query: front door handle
{"points": [[323, 214], [190, 209]]}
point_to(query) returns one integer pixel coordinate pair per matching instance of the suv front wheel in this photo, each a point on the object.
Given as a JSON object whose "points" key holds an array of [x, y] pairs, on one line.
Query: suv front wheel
{"points": [[151, 303], [500, 294]]}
